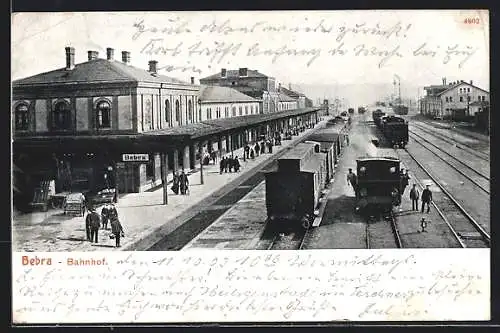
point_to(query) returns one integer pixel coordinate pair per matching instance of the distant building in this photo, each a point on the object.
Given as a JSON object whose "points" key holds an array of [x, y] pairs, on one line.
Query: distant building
{"points": [[223, 102], [249, 82], [453, 100], [309, 103], [297, 96]]}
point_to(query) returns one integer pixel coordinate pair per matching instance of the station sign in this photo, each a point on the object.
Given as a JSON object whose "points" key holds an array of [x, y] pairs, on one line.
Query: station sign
{"points": [[135, 157]]}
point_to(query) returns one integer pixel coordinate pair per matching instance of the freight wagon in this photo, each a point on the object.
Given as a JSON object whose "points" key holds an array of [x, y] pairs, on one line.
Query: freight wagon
{"points": [[294, 186]]}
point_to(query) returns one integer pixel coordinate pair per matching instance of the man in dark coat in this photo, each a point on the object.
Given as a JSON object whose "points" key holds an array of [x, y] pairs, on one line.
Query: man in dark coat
{"points": [[262, 147], [257, 149], [405, 180], [93, 222], [116, 228], [183, 182], [236, 164], [414, 196], [105, 216], [175, 185], [352, 180], [222, 164], [246, 155], [426, 198]]}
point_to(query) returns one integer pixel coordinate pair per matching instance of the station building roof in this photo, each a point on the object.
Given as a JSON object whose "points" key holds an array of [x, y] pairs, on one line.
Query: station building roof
{"points": [[214, 126], [160, 138], [97, 70], [235, 73], [285, 98], [218, 94]]}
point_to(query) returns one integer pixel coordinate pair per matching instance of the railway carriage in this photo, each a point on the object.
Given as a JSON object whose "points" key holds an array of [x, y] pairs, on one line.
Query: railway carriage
{"points": [[378, 183], [330, 144], [294, 186]]}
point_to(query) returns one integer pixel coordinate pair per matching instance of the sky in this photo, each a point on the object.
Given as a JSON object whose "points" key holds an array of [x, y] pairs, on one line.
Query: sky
{"points": [[312, 48]]}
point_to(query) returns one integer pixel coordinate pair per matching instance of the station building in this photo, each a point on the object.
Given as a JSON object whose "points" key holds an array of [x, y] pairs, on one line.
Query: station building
{"points": [[456, 100], [223, 102], [105, 120], [300, 98], [252, 83]]}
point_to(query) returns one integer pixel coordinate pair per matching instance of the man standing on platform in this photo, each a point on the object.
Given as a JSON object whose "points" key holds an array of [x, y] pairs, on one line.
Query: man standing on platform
{"points": [[426, 198], [93, 222], [184, 182], [414, 196], [352, 180]]}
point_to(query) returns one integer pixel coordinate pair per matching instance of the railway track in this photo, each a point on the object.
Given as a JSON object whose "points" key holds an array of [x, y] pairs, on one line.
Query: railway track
{"points": [[292, 241], [387, 218], [462, 225], [469, 149], [482, 177]]}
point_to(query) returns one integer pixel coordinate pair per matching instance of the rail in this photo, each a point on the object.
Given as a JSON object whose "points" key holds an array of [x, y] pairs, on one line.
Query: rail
{"points": [[484, 233], [469, 149], [290, 244], [395, 230], [455, 168]]}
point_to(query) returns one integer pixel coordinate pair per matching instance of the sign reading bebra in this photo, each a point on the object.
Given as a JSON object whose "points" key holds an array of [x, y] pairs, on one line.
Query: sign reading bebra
{"points": [[135, 157]]}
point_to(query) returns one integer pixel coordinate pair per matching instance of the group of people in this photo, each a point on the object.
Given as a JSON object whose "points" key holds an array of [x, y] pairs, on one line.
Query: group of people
{"points": [[93, 223], [229, 163], [209, 156], [426, 198], [252, 150], [181, 182]]}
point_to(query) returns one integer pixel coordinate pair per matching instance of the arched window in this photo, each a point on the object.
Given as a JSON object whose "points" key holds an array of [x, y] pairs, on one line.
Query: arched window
{"points": [[234, 111], [251, 109], [246, 109], [177, 111], [167, 111], [226, 112], [21, 117], [103, 113], [61, 116], [241, 110]]}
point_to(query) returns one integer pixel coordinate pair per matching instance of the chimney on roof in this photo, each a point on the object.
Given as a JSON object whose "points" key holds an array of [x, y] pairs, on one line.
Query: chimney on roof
{"points": [[223, 72], [92, 55], [279, 87], [444, 81], [192, 79], [126, 57], [243, 72], [110, 53], [152, 66], [471, 82], [289, 86], [70, 58]]}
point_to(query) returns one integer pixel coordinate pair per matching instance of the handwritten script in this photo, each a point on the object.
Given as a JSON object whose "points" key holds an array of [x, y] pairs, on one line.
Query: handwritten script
{"points": [[255, 286], [221, 40]]}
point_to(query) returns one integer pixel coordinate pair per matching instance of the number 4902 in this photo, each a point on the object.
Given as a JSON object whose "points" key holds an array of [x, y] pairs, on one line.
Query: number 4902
{"points": [[471, 20]]}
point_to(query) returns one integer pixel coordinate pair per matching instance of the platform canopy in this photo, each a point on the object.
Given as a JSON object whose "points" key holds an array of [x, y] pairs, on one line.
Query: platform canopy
{"points": [[157, 140]]}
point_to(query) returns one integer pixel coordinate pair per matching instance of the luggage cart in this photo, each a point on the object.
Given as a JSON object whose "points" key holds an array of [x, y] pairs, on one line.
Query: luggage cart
{"points": [[74, 204]]}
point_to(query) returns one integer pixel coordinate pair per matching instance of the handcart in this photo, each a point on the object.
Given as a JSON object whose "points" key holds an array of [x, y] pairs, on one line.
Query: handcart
{"points": [[74, 204]]}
